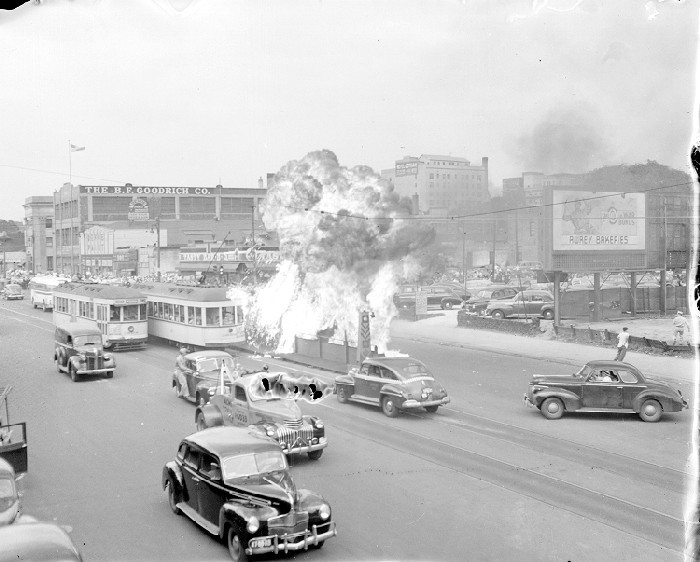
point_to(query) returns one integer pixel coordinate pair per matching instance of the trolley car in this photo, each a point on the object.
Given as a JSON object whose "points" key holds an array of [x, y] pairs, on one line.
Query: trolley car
{"points": [[118, 312], [41, 290], [202, 317]]}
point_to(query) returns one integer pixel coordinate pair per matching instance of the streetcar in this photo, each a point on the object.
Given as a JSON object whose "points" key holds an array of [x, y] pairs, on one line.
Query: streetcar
{"points": [[41, 289], [201, 317], [118, 312]]}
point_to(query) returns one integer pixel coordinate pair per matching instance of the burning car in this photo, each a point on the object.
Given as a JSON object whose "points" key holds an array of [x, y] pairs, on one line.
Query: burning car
{"points": [[394, 384], [268, 401], [235, 483], [603, 386], [12, 292], [79, 351]]}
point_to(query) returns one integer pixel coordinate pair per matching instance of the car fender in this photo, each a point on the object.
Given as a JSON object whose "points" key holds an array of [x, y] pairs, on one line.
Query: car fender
{"points": [[237, 515], [669, 402], [345, 379], [212, 415], [312, 502], [571, 400], [75, 361], [172, 472]]}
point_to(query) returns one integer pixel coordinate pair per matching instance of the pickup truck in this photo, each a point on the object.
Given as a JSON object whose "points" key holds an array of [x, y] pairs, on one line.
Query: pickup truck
{"points": [[268, 401]]}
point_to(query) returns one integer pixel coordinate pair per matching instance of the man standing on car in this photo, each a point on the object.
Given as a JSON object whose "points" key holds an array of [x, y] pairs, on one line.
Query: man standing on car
{"points": [[623, 339], [180, 369]]}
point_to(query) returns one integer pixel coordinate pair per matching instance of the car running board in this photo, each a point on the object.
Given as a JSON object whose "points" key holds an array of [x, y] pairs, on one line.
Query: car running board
{"points": [[197, 518], [364, 400]]}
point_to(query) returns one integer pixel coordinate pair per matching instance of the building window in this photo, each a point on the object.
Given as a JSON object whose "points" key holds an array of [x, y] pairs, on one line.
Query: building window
{"points": [[49, 242], [49, 263], [110, 208], [532, 229], [432, 176], [236, 205], [197, 207], [49, 222]]}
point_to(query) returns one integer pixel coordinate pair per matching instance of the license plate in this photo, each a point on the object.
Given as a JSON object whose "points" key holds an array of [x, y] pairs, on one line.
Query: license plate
{"points": [[260, 543]]}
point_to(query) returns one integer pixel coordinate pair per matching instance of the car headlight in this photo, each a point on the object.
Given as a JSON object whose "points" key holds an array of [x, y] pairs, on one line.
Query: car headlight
{"points": [[107, 356], [325, 511], [253, 524], [317, 423], [270, 431], [538, 387]]}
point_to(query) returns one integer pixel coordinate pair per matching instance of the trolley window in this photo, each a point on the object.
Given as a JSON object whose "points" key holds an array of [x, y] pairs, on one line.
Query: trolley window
{"points": [[142, 312], [194, 315], [131, 312], [229, 316], [114, 312], [213, 316]]}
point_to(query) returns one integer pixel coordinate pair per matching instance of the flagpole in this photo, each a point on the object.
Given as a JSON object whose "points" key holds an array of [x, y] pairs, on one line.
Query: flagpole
{"points": [[70, 164]]}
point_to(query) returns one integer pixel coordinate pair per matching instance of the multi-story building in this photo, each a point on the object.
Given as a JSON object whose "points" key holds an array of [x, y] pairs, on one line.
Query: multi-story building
{"points": [[38, 233], [441, 182], [141, 229]]}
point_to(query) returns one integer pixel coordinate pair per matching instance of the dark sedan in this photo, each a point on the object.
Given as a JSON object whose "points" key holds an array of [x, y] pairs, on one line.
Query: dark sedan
{"points": [[603, 386], [394, 384], [477, 303], [235, 483]]}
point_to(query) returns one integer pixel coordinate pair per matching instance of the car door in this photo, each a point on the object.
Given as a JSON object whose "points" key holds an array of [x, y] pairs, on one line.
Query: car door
{"points": [[190, 478], [191, 376], [520, 305], [239, 406], [630, 385], [599, 394], [360, 380], [211, 493], [535, 304]]}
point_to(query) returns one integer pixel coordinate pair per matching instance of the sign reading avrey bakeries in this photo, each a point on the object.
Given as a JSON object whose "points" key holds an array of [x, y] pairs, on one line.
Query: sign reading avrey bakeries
{"points": [[586, 220]]}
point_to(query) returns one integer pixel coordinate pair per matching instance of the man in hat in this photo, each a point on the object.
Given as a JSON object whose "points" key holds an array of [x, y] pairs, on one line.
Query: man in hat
{"points": [[680, 325]]}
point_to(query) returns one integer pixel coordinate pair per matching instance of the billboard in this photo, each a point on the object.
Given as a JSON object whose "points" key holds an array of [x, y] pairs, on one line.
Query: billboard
{"points": [[587, 220], [406, 169]]}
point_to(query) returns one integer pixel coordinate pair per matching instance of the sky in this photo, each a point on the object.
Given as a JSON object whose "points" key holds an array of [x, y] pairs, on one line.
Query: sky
{"points": [[207, 92]]}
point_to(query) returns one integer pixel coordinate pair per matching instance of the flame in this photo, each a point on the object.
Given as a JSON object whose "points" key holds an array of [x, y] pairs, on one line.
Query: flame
{"points": [[344, 247]]}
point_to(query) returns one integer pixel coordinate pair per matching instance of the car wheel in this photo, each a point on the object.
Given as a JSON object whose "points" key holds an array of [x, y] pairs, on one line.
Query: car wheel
{"points": [[72, 373], [548, 314], [431, 409], [318, 545], [171, 498], [343, 394], [650, 411], [201, 423], [109, 374], [552, 408], [33, 303], [315, 455], [389, 407], [236, 549], [498, 314], [449, 305]]}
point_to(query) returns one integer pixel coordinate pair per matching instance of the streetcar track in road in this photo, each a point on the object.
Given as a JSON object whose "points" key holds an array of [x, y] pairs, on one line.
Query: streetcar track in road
{"points": [[643, 522]]}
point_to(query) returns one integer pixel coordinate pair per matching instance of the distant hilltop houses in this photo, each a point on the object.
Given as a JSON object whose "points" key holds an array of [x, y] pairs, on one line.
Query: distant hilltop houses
{"points": [[194, 230]]}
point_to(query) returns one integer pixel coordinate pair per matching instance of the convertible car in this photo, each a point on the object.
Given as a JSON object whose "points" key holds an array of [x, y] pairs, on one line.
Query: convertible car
{"points": [[393, 383], [603, 386]]}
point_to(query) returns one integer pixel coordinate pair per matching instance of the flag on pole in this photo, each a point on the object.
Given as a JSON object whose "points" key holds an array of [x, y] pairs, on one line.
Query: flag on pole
{"points": [[74, 148]]}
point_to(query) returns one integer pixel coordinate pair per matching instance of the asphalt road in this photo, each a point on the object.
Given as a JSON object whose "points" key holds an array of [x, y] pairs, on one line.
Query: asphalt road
{"points": [[485, 478]]}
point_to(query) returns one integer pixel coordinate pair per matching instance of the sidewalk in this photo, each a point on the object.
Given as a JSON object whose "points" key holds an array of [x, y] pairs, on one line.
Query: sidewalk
{"points": [[441, 328]]}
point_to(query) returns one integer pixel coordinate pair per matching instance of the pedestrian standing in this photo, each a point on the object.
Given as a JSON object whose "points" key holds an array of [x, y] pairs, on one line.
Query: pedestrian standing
{"points": [[623, 339], [680, 325]]}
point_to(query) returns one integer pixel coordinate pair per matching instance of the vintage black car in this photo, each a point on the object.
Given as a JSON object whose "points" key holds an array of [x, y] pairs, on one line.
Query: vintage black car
{"points": [[235, 483], [393, 383], [477, 303], [36, 541], [79, 351], [202, 373], [603, 386]]}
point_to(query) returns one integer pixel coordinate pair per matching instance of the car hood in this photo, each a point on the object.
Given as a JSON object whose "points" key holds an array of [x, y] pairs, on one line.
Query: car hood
{"points": [[89, 349], [276, 486], [555, 379], [278, 409]]}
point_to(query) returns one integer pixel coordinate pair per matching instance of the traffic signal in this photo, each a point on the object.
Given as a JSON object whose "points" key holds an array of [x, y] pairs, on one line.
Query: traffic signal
{"points": [[221, 270]]}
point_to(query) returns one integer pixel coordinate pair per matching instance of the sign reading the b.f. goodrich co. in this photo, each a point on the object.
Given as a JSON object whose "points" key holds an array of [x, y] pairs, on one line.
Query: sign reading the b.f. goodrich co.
{"points": [[586, 220], [141, 190]]}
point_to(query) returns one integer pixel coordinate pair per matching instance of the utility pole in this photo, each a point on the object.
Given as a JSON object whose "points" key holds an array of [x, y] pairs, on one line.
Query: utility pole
{"points": [[662, 276], [464, 257], [493, 253], [255, 261]]}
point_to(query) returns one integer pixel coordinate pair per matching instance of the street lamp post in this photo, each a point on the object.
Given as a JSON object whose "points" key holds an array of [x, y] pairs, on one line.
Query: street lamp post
{"points": [[255, 261]]}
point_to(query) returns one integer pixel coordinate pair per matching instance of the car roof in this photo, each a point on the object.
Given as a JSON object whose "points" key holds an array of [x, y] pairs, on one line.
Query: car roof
{"points": [[80, 328], [395, 363], [6, 467], [224, 441], [207, 354], [610, 364], [36, 541]]}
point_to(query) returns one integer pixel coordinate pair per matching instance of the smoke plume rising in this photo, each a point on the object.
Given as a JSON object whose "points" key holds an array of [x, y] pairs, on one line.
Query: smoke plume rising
{"points": [[344, 242]]}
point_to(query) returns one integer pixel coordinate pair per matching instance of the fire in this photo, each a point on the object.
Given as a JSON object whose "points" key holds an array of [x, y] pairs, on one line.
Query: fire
{"points": [[345, 241]]}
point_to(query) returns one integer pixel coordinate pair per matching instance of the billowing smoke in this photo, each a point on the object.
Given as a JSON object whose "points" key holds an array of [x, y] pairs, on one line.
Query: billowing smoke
{"points": [[343, 246], [564, 141]]}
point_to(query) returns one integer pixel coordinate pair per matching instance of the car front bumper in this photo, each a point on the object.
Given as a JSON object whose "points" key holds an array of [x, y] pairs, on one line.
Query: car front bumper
{"points": [[94, 371], [411, 404], [528, 402], [287, 543], [296, 448]]}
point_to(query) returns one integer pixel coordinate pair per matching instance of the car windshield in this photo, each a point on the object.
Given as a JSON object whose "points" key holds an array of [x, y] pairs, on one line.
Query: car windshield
{"points": [[584, 371], [252, 464], [13, 289], [92, 339], [214, 363]]}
